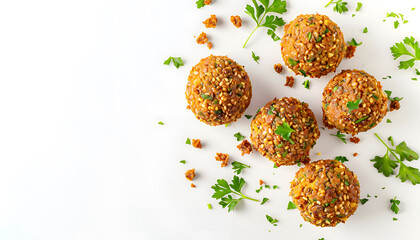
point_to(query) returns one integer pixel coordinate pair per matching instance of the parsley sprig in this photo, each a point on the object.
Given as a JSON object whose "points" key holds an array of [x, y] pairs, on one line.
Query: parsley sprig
{"points": [[339, 7], [353, 105], [177, 61], [400, 49], [386, 164], [238, 167], [272, 220], [259, 14], [284, 130], [340, 136], [394, 205], [224, 191]]}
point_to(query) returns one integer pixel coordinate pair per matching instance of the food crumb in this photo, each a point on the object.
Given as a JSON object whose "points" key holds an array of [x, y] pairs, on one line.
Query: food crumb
{"points": [[278, 68], [245, 147], [236, 20], [210, 22], [190, 174], [350, 50], [289, 81], [319, 154], [355, 140], [209, 45], [192, 185], [395, 105], [196, 143], [261, 182], [355, 154], [207, 2], [223, 157], [202, 38]]}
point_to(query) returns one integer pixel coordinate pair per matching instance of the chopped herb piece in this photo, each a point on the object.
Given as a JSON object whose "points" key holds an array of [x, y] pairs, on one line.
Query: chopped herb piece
{"points": [[183, 161], [279, 145], [291, 205], [267, 186], [341, 159], [306, 84], [333, 200], [341, 136], [361, 119], [209, 206], [396, 24], [259, 189], [417, 71], [335, 88], [374, 96], [292, 62], [365, 30], [300, 225], [227, 124], [161, 123], [273, 35], [388, 94], [177, 61], [414, 79], [399, 49], [359, 6], [388, 121], [284, 130], [354, 43], [200, 3], [223, 190], [309, 36], [238, 167], [394, 205], [275, 187], [248, 116], [391, 140], [339, 7], [394, 219], [188, 141], [256, 58], [264, 201], [272, 220], [258, 12], [205, 96], [239, 136], [303, 72], [347, 183], [353, 105]]}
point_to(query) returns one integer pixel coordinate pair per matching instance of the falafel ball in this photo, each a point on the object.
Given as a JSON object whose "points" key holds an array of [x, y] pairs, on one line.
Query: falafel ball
{"points": [[218, 90], [312, 45], [326, 192], [353, 101], [284, 131]]}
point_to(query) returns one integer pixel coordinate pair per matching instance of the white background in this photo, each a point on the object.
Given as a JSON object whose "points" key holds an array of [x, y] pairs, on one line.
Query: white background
{"points": [[82, 88]]}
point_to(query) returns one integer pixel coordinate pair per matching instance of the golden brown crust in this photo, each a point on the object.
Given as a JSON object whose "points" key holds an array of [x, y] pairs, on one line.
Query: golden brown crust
{"points": [[273, 146], [326, 192], [312, 45], [349, 86], [218, 90]]}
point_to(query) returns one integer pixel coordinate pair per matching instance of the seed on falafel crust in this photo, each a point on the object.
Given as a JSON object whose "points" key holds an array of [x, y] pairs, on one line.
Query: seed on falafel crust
{"points": [[312, 45], [326, 193], [303, 131], [218, 90], [347, 88]]}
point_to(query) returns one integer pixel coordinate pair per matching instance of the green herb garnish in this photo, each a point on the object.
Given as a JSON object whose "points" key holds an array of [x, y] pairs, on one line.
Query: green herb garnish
{"points": [[365, 30], [272, 220], [394, 205], [353, 105], [354, 43], [177, 61], [205, 96], [388, 121], [183, 161], [188, 141], [340, 136], [239, 136], [264, 201], [293, 62], [339, 7], [209, 206], [291, 205], [284, 130], [363, 200], [359, 6], [256, 58], [399, 49], [238, 167], [248, 116], [388, 94], [306, 84], [361, 119], [341, 159], [161, 123]]}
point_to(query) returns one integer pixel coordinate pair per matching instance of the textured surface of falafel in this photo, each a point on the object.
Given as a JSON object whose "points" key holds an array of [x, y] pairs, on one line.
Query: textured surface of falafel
{"points": [[326, 192], [218, 90]]}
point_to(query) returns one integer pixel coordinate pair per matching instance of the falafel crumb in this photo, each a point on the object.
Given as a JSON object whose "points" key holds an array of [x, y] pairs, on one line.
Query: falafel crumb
{"points": [[223, 157], [190, 174], [318, 153], [290, 81], [261, 182], [196, 143], [278, 68], [245, 147], [355, 140], [355, 154], [202, 38], [192, 185], [209, 45], [210, 22], [395, 105], [236, 21], [350, 50], [207, 2]]}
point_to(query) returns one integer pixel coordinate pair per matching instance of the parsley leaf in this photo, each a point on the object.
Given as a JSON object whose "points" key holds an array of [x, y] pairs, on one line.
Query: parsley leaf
{"points": [[177, 61], [386, 165], [365, 30], [353, 105], [248, 116], [306, 84], [417, 71], [394, 205], [200, 3], [256, 58], [400, 49], [354, 43], [341, 136], [388, 121], [239, 136], [388, 94], [188, 141], [363, 200], [341, 159], [259, 14], [396, 24], [339, 7], [223, 190], [183, 161], [291, 205], [284, 130], [264, 201], [359, 6], [238, 167], [272, 220]]}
